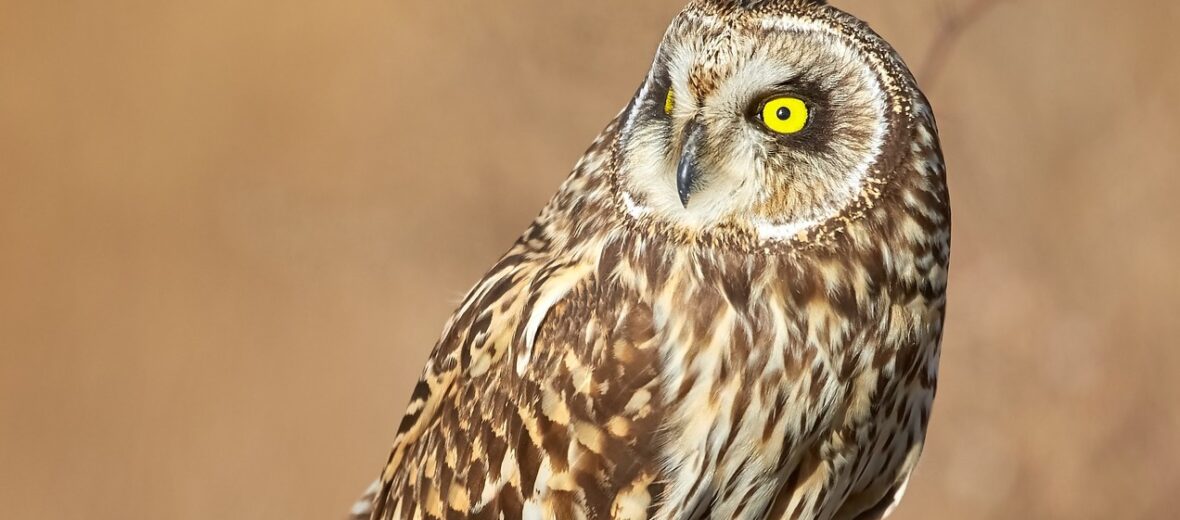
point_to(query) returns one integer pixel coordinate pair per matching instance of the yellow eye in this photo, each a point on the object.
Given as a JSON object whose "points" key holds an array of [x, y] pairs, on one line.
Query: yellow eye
{"points": [[784, 115], [670, 102]]}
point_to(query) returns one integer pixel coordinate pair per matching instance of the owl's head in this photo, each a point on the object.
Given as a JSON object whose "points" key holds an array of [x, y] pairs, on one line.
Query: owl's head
{"points": [[762, 117]]}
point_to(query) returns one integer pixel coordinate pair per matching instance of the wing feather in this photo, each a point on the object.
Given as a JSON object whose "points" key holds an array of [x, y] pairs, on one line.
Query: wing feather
{"points": [[471, 409]]}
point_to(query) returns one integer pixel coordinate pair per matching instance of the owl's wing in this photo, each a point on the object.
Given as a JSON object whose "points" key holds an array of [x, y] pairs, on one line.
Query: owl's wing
{"points": [[513, 413]]}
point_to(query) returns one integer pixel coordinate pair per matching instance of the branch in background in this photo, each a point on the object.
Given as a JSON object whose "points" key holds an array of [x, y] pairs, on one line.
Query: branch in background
{"points": [[948, 34]]}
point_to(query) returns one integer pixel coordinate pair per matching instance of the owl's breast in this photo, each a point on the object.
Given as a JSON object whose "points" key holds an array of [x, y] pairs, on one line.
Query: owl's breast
{"points": [[779, 386]]}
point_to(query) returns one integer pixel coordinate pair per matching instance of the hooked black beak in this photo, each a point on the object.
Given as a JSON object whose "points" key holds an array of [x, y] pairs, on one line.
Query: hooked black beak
{"points": [[688, 171]]}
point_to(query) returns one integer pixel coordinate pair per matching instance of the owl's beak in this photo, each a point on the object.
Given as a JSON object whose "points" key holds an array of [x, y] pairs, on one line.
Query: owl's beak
{"points": [[688, 171]]}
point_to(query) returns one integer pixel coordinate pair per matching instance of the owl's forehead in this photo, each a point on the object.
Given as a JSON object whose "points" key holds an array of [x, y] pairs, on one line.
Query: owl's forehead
{"points": [[707, 48]]}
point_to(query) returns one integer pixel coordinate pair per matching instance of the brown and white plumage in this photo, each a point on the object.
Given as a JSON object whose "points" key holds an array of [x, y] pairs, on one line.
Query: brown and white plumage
{"points": [[753, 336]]}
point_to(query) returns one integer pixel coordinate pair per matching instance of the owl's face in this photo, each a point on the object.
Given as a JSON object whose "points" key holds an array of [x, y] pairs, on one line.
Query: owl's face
{"points": [[768, 121]]}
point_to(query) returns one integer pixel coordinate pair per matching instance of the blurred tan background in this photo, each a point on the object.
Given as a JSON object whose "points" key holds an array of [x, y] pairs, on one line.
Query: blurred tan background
{"points": [[230, 232]]}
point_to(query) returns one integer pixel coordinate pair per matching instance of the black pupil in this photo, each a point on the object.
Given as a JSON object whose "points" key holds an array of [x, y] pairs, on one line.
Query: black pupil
{"points": [[783, 113]]}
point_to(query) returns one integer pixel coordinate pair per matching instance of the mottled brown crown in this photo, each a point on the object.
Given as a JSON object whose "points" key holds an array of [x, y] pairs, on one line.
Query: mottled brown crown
{"points": [[756, 4], [730, 7]]}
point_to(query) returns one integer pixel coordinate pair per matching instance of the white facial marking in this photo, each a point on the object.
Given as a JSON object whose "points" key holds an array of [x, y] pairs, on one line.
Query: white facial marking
{"points": [[634, 208]]}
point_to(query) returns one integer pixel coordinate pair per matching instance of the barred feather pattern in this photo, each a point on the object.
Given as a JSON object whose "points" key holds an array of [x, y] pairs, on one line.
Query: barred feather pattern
{"points": [[607, 367]]}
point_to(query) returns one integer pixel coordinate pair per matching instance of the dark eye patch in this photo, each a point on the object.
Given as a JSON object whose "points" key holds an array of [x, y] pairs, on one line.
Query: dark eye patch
{"points": [[652, 103], [817, 135]]}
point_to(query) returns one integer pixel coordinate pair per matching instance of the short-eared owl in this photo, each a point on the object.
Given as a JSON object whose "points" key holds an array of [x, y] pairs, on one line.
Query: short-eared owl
{"points": [[731, 309]]}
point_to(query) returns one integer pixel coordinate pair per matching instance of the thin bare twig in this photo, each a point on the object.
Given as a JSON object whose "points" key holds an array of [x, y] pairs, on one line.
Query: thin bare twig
{"points": [[948, 34]]}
